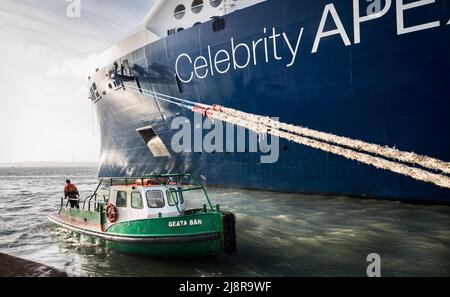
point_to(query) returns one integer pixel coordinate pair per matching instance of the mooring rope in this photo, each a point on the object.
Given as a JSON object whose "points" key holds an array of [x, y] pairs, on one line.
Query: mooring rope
{"points": [[330, 143], [416, 173], [385, 151]]}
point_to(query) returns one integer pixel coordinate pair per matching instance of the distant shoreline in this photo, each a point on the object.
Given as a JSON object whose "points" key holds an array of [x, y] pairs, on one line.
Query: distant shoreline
{"points": [[47, 164]]}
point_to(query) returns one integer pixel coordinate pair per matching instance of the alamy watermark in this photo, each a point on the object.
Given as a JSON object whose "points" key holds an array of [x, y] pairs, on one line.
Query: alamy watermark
{"points": [[373, 7], [212, 136], [73, 8], [374, 268]]}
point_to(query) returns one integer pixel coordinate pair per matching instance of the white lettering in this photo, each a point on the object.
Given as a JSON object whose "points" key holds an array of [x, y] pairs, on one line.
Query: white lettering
{"points": [[229, 138], [339, 28], [293, 51], [244, 54], [183, 136], [275, 46], [177, 69], [210, 61], [234, 49], [195, 222], [374, 7], [374, 268], [252, 141], [216, 136], [241, 134], [213, 142], [400, 17], [255, 44], [174, 224], [198, 133], [201, 66], [266, 50], [266, 148], [74, 9], [218, 62], [196, 288], [357, 19]]}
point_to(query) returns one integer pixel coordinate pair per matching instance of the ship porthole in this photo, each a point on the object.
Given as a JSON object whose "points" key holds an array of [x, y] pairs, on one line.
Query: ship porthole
{"points": [[215, 3], [197, 6], [179, 12]]}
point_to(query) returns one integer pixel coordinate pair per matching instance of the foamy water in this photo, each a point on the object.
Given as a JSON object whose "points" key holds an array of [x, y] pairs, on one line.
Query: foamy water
{"points": [[278, 234]]}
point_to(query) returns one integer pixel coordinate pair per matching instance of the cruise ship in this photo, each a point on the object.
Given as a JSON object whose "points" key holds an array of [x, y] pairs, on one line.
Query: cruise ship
{"points": [[373, 70]]}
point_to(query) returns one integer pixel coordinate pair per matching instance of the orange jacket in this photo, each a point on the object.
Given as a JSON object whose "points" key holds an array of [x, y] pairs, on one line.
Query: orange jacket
{"points": [[70, 189]]}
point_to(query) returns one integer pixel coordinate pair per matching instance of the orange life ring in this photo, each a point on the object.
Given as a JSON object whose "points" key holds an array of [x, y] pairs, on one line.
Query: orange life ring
{"points": [[112, 213]]}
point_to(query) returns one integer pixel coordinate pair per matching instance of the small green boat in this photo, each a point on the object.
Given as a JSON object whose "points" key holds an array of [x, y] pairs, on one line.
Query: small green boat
{"points": [[148, 216]]}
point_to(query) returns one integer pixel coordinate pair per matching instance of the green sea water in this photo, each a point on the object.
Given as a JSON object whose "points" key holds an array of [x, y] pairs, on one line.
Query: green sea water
{"points": [[277, 234]]}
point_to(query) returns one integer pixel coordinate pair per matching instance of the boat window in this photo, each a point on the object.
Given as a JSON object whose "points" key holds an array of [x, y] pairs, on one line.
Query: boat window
{"points": [[215, 3], [179, 12], [170, 199], [180, 29], [180, 195], [121, 200], [198, 23], [197, 6], [136, 200], [155, 199]]}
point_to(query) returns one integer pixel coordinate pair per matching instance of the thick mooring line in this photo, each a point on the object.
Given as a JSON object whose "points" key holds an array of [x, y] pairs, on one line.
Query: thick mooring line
{"points": [[416, 173], [385, 151], [352, 149]]}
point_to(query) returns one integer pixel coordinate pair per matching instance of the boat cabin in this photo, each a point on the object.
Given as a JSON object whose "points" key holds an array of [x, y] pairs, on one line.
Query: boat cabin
{"points": [[142, 198], [146, 200], [135, 202]]}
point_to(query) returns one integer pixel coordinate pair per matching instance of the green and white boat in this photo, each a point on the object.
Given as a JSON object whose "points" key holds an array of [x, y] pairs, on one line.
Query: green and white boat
{"points": [[148, 215]]}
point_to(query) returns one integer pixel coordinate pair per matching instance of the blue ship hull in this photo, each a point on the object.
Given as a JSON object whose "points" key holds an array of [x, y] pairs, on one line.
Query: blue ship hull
{"points": [[389, 89]]}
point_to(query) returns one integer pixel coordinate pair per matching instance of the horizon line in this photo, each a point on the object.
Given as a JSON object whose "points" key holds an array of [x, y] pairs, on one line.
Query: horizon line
{"points": [[48, 164]]}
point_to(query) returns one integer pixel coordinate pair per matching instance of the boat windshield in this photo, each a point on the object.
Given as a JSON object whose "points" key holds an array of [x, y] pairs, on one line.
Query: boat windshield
{"points": [[175, 197]]}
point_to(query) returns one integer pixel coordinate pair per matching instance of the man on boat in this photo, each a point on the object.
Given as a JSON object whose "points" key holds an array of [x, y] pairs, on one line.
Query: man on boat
{"points": [[71, 192]]}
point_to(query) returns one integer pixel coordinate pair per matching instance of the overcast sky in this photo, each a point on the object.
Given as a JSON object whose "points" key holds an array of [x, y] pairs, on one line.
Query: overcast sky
{"points": [[45, 57]]}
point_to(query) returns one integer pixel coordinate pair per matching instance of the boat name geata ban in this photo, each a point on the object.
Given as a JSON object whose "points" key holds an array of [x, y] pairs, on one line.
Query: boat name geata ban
{"points": [[184, 223], [220, 62]]}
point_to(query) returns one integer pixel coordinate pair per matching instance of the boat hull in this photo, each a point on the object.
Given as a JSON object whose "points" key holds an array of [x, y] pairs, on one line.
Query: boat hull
{"points": [[152, 237], [389, 89]]}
